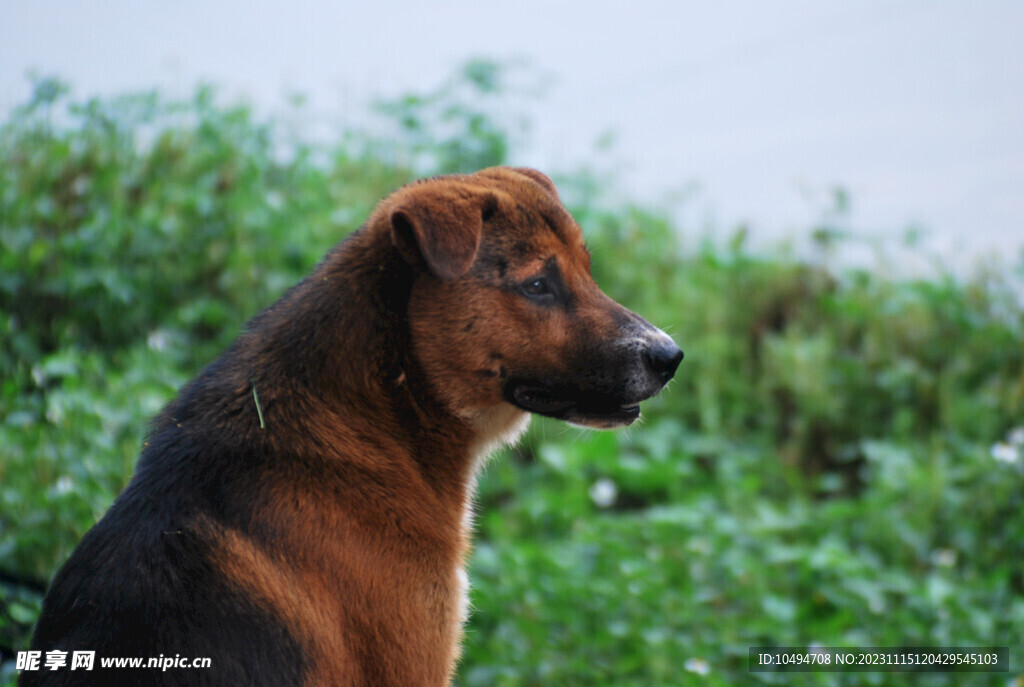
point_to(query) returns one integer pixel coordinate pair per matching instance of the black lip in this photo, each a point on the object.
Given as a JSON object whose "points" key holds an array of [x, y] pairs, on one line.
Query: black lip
{"points": [[571, 405]]}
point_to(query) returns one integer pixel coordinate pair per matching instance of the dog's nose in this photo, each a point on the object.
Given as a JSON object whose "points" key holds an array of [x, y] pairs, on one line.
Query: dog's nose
{"points": [[663, 359]]}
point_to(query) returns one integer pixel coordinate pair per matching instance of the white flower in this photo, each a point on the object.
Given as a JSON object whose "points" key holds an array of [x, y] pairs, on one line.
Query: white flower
{"points": [[157, 340], [698, 665], [603, 492], [1016, 436], [1005, 453], [944, 558]]}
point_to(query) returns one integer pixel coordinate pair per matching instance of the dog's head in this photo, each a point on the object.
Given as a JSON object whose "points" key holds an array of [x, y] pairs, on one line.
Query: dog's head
{"points": [[504, 310]]}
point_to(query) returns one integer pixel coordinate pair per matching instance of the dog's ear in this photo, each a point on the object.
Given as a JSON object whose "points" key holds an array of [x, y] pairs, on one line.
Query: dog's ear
{"points": [[506, 173], [441, 229], [541, 178]]}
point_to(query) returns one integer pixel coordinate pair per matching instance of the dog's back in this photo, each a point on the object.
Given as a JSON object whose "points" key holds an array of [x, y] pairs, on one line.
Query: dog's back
{"points": [[298, 514]]}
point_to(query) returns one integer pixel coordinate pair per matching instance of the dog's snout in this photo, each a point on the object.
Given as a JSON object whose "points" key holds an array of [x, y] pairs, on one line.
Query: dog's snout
{"points": [[663, 359]]}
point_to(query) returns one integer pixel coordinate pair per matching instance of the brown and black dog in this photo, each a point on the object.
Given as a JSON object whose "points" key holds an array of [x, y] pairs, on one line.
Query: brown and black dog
{"points": [[299, 513]]}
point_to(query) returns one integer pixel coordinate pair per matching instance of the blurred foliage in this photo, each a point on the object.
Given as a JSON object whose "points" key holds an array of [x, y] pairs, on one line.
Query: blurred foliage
{"points": [[839, 460], [465, 124]]}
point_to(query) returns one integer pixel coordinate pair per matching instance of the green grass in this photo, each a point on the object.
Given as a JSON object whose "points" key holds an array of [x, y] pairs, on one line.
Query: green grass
{"points": [[836, 462]]}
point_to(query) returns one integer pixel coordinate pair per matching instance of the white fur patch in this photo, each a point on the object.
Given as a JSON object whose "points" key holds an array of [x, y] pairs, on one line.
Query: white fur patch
{"points": [[502, 426], [496, 428], [462, 590]]}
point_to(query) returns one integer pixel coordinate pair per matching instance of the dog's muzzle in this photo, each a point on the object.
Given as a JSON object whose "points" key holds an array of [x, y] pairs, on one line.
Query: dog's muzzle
{"points": [[604, 393]]}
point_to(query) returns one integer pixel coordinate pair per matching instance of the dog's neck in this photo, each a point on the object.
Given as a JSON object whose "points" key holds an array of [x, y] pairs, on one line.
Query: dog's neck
{"points": [[350, 317]]}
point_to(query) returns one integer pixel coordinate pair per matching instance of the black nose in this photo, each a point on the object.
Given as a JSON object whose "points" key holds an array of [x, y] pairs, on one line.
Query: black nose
{"points": [[664, 359]]}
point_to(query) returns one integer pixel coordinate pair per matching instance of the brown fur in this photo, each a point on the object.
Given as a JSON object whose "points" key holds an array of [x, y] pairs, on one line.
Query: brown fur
{"points": [[416, 347]]}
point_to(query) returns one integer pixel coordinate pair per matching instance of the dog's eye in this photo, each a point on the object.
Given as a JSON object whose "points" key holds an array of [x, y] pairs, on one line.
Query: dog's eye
{"points": [[537, 288]]}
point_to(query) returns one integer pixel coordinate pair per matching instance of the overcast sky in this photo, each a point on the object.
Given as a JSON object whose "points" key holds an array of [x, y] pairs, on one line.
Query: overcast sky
{"points": [[916, 107]]}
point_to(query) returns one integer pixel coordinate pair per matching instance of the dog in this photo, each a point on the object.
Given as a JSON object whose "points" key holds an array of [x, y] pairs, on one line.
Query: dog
{"points": [[300, 513]]}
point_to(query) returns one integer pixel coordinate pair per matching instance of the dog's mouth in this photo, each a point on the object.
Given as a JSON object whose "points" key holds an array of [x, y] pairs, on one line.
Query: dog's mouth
{"points": [[590, 409]]}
